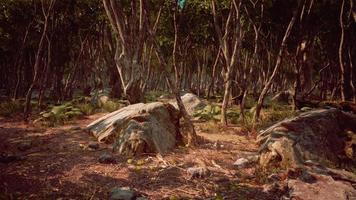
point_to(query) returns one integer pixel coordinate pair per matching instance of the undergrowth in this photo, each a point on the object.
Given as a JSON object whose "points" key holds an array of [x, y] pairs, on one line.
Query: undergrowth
{"points": [[153, 96], [271, 113], [9, 108]]}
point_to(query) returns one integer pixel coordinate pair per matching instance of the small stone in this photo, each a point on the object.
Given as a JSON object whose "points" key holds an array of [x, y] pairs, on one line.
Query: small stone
{"points": [[241, 162], [123, 193], [25, 146], [107, 158], [197, 172], [94, 145]]}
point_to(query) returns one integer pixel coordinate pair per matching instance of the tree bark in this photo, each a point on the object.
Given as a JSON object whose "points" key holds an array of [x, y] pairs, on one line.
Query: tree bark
{"points": [[276, 67], [46, 13], [341, 46], [225, 41]]}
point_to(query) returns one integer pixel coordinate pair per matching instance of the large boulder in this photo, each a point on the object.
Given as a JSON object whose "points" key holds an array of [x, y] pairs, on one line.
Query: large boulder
{"points": [[139, 128], [318, 136], [191, 102]]}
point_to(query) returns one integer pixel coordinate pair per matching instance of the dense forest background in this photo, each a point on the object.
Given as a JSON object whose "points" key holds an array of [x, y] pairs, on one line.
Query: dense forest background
{"points": [[55, 49]]}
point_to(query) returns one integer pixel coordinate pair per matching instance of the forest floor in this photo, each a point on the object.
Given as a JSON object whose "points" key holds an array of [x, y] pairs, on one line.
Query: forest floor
{"points": [[57, 165]]}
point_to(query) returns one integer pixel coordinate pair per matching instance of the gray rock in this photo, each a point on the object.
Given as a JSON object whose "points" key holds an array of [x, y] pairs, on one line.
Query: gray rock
{"points": [[133, 132], [316, 135], [191, 102], [123, 193], [241, 162], [107, 158]]}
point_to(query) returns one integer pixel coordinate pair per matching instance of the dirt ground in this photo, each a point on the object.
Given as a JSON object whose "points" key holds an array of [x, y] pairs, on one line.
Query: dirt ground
{"points": [[59, 166]]}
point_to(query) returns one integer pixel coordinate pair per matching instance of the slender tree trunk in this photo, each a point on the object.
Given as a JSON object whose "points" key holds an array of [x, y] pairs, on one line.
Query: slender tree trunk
{"points": [[213, 74], [276, 67], [231, 36], [46, 71], [27, 109], [341, 46], [352, 76]]}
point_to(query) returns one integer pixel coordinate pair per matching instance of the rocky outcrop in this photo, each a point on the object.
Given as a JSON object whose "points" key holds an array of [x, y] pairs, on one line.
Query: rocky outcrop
{"points": [[139, 128], [317, 135], [307, 146]]}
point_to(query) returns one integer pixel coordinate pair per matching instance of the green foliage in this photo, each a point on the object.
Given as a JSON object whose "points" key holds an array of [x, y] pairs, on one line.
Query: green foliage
{"points": [[209, 112], [270, 115], [59, 114], [9, 108], [111, 106], [86, 108]]}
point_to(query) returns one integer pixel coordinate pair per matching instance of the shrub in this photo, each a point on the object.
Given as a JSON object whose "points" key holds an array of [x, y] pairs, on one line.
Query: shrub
{"points": [[59, 114], [209, 112], [111, 106], [86, 108]]}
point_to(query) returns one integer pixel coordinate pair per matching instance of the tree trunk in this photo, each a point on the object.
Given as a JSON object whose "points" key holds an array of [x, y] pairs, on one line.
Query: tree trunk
{"points": [[276, 67], [213, 74], [341, 46], [230, 37], [27, 110]]}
